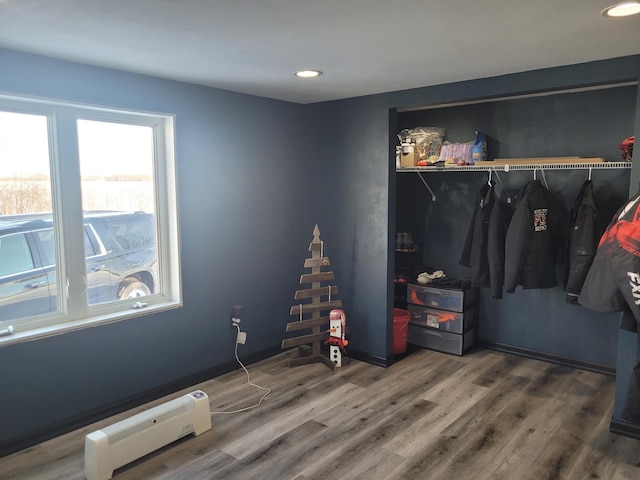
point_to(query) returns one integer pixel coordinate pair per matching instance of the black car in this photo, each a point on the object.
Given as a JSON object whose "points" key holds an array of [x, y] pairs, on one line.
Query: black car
{"points": [[120, 251]]}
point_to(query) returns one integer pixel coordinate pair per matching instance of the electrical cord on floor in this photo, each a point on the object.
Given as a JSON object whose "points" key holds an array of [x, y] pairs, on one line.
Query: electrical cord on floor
{"points": [[268, 390]]}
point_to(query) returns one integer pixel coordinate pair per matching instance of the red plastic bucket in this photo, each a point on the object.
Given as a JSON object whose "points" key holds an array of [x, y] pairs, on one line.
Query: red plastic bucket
{"points": [[400, 330]]}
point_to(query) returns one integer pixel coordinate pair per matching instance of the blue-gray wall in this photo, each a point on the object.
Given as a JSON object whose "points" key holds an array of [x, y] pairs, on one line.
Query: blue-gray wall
{"points": [[351, 173], [244, 236], [246, 220]]}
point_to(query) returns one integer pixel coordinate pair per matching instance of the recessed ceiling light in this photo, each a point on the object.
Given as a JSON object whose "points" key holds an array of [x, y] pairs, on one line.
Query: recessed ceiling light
{"points": [[308, 73], [622, 9]]}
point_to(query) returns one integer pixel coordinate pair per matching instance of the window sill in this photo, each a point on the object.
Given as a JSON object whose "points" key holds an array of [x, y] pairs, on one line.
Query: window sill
{"points": [[27, 335]]}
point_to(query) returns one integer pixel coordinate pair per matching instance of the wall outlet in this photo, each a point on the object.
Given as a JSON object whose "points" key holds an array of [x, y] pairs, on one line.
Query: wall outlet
{"points": [[242, 337]]}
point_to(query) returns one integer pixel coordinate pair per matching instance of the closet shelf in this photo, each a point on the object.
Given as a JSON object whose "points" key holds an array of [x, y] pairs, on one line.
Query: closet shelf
{"points": [[516, 166]]}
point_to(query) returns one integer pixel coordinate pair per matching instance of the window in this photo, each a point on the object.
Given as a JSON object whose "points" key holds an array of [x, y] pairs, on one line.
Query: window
{"points": [[15, 256], [88, 227]]}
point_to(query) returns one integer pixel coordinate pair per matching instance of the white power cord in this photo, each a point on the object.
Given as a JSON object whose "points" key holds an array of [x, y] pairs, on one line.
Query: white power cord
{"points": [[268, 390]]}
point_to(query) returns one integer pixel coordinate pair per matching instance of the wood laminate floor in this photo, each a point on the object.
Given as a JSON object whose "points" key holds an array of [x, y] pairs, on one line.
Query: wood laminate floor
{"points": [[486, 415]]}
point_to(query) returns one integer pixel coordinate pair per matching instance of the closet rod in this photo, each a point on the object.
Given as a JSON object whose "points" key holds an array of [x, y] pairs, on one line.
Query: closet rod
{"points": [[511, 167]]}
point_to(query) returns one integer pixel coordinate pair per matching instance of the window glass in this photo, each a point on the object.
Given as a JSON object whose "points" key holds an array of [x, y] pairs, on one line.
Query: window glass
{"points": [[47, 246], [25, 200], [15, 256], [25, 183], [88, 212], [132, 232], [89, 249], [116, 167]]}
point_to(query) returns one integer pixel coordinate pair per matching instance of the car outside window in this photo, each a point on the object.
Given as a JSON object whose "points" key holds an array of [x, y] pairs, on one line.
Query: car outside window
{"points": [[15, 256], [47, 244]]}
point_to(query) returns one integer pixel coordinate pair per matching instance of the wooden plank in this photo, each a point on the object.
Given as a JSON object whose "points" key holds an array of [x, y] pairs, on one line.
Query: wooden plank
{"points": [[301, 340], [550, 424], [281, 452], [316, 277], [315, 346], [317, 262], [296, 362], [316, 292], [304, 324], [315, 307], [328, 362], [537, 161], [315, 247], [304, 350]]}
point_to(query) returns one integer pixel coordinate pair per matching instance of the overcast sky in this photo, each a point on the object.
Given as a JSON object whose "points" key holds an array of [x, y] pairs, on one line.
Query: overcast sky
{"points": [[105, 148]]}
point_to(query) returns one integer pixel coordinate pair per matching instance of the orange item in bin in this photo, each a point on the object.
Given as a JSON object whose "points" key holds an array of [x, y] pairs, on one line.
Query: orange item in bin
{"points": [[446, 317]]}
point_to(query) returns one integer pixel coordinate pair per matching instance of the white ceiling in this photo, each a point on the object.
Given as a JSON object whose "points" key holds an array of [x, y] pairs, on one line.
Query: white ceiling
{"points": [[362, 46]]}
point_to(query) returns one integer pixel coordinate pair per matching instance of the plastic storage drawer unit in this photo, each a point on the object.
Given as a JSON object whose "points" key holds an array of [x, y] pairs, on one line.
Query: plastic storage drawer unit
{"points": [[441, 341], [440, 298], [454, 322]]}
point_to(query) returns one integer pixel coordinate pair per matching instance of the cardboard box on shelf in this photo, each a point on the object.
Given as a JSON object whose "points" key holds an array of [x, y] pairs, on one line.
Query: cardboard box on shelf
{"points": [[407, 160]]}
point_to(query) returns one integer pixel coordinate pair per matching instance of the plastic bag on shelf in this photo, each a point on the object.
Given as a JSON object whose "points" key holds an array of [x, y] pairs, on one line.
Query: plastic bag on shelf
{"points": [[479, 150], [456, 153], [426, 141], [467, 153]]}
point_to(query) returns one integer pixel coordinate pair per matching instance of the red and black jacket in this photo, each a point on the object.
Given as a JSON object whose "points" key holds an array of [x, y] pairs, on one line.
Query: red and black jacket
{"points": [[613, 281]]}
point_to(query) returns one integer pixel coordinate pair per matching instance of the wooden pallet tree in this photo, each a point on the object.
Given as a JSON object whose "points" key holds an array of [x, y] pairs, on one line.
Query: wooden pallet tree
{"points": [[313, 310]]}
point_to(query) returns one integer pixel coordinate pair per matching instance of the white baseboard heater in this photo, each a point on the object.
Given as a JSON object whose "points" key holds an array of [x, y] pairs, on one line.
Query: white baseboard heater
{"points": [[123, 442]]}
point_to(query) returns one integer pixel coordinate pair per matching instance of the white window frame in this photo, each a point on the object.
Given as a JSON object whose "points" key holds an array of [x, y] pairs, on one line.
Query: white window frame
{"points": [[75, 312]]}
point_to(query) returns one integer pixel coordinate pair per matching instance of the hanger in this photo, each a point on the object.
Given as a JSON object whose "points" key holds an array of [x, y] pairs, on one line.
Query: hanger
{"points": [[501, 184], [544, 178], [590, 173], [489, 182]]}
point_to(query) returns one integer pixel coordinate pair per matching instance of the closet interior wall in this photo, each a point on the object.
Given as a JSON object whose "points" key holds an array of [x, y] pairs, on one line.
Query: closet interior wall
{"points": [[589, 123]]}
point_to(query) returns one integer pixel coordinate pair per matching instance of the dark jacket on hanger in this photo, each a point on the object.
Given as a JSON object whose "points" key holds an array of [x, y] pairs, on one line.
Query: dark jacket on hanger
{"points": [[532, 240], [584, 234], [484, 247]]}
